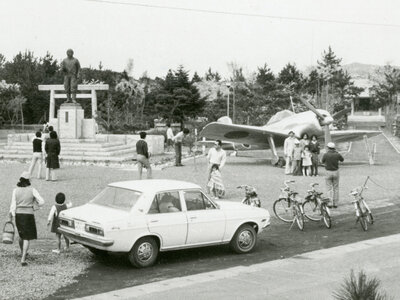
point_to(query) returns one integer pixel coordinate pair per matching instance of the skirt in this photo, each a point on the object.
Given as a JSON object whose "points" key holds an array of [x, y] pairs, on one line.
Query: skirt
{"points": [[52, 161], [55, 224], [26, 226]]}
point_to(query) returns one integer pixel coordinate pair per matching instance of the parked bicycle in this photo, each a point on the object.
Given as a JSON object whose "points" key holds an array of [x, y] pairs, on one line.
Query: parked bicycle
{"points": [[363, 213], [251, 197], [315, 207], [288, 208]]}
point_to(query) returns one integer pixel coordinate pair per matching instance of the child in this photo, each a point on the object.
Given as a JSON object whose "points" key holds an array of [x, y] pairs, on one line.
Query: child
{"points": [[297, 158], [55, 222], [307, 163], [215, 185]]}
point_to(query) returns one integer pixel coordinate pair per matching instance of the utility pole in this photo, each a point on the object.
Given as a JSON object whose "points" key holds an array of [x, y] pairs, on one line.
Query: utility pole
{"points": [[234, 105], [228, 84]]}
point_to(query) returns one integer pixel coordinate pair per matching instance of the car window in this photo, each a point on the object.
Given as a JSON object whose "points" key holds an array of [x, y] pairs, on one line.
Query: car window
{"points": [[195, 200], [117, 198], [166, 202]]}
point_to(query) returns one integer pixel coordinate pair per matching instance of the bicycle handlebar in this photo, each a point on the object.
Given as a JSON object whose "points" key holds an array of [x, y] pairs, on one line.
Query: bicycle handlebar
{"points": [[314, 184], [243, 186]]}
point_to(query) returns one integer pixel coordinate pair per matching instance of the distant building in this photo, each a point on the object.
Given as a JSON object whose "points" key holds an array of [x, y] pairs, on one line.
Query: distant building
{"points": [[363, 114]]}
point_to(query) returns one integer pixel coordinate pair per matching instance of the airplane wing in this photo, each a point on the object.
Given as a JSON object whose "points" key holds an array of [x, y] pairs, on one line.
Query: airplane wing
{"points": [[225, 145], [339, 136], [242, 134]]}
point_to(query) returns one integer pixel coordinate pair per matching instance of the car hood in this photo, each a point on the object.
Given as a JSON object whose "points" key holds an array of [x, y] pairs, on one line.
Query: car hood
{"points": [[93, 213]]}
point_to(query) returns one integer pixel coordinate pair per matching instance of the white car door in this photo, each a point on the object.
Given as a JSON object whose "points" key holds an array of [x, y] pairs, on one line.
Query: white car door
{"points": [[206, 222], [166, 219]]}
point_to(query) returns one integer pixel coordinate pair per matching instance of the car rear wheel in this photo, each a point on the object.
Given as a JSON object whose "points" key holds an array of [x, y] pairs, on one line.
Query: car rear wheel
{"points": [[97, 252], [244, 240], [144, 253]]}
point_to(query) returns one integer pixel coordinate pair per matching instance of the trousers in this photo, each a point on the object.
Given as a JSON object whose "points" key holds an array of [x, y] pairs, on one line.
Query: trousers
{"points": [[143, 161], [289, 165], [178, 153], [332, 185], [36, 158], [70, 86]]}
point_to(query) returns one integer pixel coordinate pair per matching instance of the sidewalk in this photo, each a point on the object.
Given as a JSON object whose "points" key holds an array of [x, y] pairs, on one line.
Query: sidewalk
{"points": [[312, 275]]}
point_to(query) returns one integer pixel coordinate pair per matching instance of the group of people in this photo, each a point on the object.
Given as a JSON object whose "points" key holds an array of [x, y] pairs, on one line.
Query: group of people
{"points": [[301, 156], [24, 201], [46, 148], [143, 153]]}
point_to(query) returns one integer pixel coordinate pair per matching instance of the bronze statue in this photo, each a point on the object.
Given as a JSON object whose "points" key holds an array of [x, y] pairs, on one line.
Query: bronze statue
{"points": [[70, 67]]}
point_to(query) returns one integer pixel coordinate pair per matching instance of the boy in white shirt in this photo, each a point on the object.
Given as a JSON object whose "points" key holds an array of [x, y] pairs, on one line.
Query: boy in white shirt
{"points": [[170, 136], [216, 156]]}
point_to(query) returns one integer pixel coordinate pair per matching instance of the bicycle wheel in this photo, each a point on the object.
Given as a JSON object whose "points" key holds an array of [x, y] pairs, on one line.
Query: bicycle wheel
{"points": [[326, 217], [311, 210], [362, 218], [299, 217], [283, 210]]}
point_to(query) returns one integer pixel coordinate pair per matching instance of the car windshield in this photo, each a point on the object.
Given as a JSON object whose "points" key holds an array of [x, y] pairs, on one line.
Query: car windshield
{"points": [[117, 198]]}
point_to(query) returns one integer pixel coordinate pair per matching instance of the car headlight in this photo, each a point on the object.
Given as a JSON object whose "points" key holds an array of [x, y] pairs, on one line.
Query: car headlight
{"points": [[67, 223], [94, 230]]}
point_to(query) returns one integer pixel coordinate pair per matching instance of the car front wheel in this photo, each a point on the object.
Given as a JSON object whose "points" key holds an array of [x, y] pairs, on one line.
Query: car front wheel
{"points": [[244, 240], [144, 253]]}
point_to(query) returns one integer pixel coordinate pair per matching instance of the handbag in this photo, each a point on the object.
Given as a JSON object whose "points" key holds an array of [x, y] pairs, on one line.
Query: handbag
{"points": [[8, 234]]}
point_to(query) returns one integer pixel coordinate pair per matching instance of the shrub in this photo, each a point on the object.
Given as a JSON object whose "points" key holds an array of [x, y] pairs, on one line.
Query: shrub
{"points": [[358, 287]]}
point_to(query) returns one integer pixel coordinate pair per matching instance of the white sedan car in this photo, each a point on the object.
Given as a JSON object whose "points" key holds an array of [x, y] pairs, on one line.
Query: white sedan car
{"points": [[144, 217]]}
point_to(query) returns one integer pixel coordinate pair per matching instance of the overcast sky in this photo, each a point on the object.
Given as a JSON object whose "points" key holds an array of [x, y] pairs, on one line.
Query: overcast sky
{"points": [[158, 39]]}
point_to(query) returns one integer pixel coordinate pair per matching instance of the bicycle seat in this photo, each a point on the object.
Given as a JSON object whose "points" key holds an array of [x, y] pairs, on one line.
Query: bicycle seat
{"points": [[294, 193], [319, 194], [325, 200]]}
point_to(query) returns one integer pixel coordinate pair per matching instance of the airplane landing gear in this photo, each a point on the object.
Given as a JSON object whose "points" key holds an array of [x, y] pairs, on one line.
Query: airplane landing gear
{"points": [[279, 162]]}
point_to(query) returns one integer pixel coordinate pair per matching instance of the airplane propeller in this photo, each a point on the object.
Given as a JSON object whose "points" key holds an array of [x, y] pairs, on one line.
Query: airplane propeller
{"points": [[324, 120], [341, 113]]}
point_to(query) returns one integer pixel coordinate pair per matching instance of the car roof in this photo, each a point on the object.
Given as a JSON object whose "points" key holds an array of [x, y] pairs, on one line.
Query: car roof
{"points": [[155, 185]]}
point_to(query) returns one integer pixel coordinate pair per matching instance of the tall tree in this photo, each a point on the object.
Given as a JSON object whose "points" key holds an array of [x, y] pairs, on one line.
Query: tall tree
{"points": [[178, 98], [291, 76], [212, 76]]}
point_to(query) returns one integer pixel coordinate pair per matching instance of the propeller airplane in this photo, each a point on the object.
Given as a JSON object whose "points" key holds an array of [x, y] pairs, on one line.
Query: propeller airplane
{"points": [[272, 135]]}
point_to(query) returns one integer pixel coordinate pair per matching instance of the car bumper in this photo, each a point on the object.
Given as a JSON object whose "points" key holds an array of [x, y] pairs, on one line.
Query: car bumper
{"points": [[84, 239]]}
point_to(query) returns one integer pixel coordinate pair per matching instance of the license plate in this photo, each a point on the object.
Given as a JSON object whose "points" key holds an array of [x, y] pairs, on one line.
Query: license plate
{"points": [[79, 226]]}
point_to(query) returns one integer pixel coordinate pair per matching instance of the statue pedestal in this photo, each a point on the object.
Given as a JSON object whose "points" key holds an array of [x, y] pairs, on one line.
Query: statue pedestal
{"points": [[70, 120]]}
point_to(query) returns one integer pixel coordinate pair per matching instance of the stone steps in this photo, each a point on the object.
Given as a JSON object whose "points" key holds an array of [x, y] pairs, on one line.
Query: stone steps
{"points": [[66, 147], [28, 145], [75, 151], [74, 158]]}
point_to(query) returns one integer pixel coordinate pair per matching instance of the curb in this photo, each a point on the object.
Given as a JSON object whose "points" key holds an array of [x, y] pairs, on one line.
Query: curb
{"points": [[186, 281]]}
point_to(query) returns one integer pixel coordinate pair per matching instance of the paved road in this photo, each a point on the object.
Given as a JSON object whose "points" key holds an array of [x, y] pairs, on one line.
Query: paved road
{"points": [[114, 272], [312, 275]]}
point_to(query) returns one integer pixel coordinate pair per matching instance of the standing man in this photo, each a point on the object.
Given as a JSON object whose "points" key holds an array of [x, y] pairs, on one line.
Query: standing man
{"points": [[178, 139], [143, 155], [288, 151], [216, 156], [331, 160], [70, 68], [170, 136]]}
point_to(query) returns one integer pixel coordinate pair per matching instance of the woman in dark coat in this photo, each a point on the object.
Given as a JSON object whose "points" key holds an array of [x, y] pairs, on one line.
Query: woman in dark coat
{"points": [[24, 199], [53, 149], [315, 149]]}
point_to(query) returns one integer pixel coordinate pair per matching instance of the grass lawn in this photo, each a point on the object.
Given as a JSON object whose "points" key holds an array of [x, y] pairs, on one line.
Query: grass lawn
{"points": [[81, 183]]}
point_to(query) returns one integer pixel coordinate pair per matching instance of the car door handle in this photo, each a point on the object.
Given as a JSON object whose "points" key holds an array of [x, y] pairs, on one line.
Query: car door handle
{"points": [[153, 221]]}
